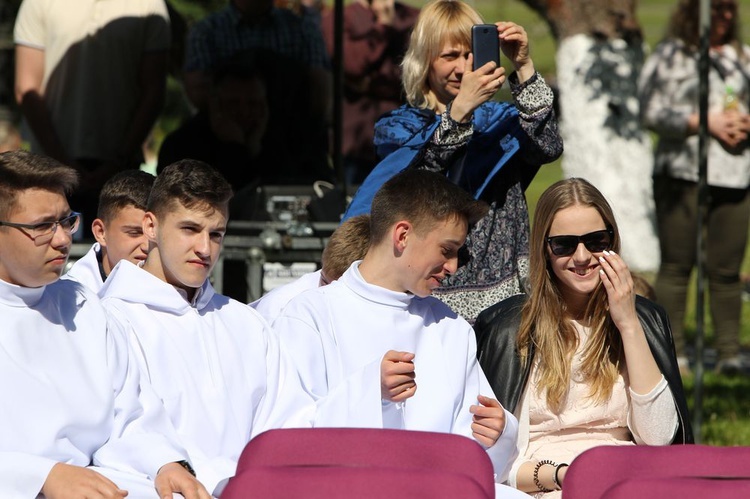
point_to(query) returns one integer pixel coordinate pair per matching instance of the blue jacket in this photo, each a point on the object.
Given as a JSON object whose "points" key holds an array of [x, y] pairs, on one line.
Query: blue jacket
{"points": [[402, 133]]}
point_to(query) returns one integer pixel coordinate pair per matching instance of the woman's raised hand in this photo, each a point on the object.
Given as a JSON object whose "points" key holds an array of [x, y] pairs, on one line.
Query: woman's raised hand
{"points": [[618, 282], [643, 373], [514, 42]]}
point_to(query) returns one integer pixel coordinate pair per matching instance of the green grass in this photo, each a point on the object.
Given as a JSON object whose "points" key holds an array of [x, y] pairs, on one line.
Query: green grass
{"points": [[726, 409]]}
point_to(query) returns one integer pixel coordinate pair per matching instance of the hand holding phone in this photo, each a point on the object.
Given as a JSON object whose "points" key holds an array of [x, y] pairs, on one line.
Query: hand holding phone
{"points": [[485, 45]]}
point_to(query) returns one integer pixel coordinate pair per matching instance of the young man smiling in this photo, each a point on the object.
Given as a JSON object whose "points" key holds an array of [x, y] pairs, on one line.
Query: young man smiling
{"points": [[76, 422], [375, 339], [214, 362], [118, 228]]}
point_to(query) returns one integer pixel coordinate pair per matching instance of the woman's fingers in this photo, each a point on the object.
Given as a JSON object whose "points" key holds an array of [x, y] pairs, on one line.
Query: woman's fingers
{"points": [[616, 275]]}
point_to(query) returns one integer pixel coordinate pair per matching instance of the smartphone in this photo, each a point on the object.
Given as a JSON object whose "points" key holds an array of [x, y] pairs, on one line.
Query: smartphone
{"points": [[485, 45]]}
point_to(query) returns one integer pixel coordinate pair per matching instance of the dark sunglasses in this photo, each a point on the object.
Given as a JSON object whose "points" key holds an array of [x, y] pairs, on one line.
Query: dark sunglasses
{"points": [[595, 242]]}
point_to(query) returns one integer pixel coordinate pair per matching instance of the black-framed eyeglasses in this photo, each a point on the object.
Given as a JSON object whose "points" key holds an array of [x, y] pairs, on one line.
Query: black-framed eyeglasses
{"points": [[595, 242], [43, 232]]}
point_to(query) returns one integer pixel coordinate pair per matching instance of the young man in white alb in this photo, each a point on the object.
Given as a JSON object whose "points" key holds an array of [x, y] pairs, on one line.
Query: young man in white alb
{"points": [[118, 229], [379, 344], [76, 421], [214, 362]]}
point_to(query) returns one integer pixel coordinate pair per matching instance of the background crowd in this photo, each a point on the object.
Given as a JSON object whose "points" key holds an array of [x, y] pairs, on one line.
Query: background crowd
{"points": [[257, 80]]}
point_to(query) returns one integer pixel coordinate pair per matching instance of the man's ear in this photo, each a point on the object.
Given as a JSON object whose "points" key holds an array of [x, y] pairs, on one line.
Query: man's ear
{"points": [[400, 234], [100, 233], [150, 225]]}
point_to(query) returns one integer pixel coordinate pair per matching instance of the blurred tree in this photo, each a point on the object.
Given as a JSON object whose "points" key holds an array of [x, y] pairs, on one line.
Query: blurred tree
{"points": [[600, 53], [600, 18]]}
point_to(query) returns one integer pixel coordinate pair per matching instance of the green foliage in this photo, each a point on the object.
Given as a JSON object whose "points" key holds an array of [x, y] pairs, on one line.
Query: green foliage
{"points": [[195, 10], [726, 408]]}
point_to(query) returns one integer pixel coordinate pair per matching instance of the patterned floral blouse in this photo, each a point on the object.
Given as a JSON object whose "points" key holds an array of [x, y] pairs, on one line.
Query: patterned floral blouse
{"points": [[669, 95], [499, 243]]}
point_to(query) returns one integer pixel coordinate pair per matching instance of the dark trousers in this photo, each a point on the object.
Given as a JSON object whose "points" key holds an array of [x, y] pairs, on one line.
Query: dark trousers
{"points": [[727, 228]]}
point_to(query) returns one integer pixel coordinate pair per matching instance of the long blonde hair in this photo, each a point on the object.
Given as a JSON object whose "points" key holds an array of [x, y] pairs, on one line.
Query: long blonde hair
{"points": [[439, 21], [544, 322]]}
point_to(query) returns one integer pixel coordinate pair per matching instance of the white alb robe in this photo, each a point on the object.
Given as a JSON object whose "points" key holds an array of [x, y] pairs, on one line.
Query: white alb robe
{"points": [[86, 270], [215, 364], [338, 335], [272, 303], [71, 394]]}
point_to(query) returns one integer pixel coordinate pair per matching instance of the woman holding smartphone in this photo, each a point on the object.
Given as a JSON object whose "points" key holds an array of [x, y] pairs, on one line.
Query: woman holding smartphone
{"points": [[581, 361], [491, 149]]}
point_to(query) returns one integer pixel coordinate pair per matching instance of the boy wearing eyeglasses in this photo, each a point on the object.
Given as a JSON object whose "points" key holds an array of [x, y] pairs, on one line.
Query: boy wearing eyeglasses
{"points": [[213, 361], [403, 357], [75, 422], [118, 228]]}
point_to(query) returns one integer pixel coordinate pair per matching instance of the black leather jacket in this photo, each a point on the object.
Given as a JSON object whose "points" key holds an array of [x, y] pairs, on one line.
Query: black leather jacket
{"points": [[496, 330]]}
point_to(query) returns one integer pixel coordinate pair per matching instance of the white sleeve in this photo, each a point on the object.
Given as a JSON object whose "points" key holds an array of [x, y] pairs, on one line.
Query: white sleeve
{"points": [[29, 29], [351, 400], [504, 452], [23, 475], [210, 471], [143, 439], [285, 404], [652, 418]]}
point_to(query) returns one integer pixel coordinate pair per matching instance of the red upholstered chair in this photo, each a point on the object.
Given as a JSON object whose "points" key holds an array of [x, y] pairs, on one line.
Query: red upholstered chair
{"points": [[340, 482], [682, 488], [328, 449], [592, 474]]}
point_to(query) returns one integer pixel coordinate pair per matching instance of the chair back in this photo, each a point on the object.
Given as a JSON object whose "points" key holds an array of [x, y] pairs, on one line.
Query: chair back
{"points": [[593, 473], [325, 450], [684, 488], [340, 482]]}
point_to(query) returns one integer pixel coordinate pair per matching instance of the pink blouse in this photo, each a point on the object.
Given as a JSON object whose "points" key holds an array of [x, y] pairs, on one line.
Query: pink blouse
{"points": [[627, 418]]}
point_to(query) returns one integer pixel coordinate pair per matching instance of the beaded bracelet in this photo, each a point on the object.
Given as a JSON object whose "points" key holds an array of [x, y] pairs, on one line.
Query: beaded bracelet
{"points": [[556, 476], [541, 463]]}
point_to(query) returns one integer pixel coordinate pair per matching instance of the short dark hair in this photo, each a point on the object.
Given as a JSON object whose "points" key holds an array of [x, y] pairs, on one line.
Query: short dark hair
{"points": [[21, 170], [423, 198], [126, 188], [192, 183]]}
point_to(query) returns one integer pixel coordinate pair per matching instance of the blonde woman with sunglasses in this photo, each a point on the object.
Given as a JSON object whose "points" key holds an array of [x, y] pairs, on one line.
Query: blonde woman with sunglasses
{"points": [[581, 361]]}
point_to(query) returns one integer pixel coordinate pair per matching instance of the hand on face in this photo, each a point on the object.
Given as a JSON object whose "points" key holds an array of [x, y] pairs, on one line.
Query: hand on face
{"points": [[488, 421], [397, 376], [618, 282]]}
